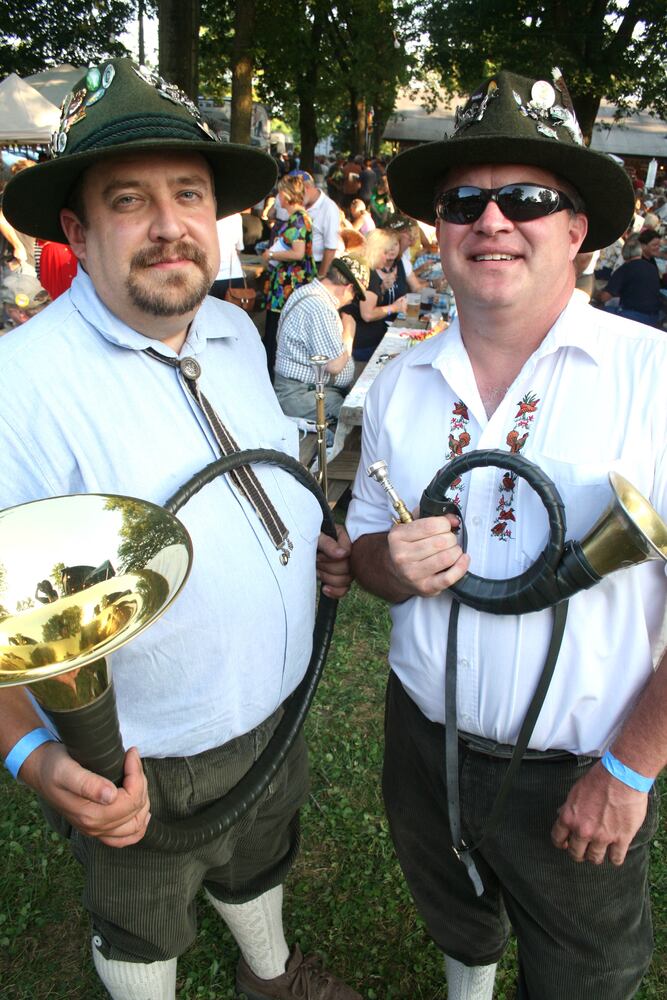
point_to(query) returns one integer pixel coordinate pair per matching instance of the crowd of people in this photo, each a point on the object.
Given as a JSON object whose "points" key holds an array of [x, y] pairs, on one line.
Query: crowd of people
{"points": [[524, 730]]}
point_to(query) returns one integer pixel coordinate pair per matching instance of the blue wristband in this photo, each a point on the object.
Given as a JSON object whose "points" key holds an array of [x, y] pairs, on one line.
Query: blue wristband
{"points": [[21, 751], [625, 774]]}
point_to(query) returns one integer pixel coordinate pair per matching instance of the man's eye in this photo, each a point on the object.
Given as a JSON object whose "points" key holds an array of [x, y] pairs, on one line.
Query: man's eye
{"points": [[124, 200], [190, 195]]}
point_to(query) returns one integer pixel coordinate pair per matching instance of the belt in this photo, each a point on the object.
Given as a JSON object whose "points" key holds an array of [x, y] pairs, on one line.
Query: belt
{"points": [[505, 751]]}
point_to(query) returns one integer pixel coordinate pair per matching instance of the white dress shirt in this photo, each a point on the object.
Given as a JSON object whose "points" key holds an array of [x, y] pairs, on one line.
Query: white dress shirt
{"points": [[591, 399], [230, 240], [84, 410], [325, 216]]}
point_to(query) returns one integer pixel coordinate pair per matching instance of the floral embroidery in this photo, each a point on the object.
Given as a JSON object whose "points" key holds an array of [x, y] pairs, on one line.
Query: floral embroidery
{"points": [[458, 425], [515, 440]]}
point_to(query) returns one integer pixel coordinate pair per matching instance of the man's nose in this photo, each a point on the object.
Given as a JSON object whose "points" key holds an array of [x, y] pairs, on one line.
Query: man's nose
{"points": [[167, 223], [492, 220]]}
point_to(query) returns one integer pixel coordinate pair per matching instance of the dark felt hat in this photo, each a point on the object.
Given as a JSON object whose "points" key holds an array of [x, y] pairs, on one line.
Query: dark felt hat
{"points": [[120, 107], [514, 119], [355, 271]]}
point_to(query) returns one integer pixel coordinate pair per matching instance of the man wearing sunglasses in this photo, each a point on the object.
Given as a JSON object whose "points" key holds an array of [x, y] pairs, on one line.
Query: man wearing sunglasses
{"points": [[528, 369]]}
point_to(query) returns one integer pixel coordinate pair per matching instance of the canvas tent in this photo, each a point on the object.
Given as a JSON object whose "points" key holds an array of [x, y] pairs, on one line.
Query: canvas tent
{"points": [[54, 84], [26, 118], [638, 135]]}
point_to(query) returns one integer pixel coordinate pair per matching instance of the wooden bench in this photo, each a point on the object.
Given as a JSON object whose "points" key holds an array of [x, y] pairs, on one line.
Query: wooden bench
{"points": [[308, 449], [343, 468]]}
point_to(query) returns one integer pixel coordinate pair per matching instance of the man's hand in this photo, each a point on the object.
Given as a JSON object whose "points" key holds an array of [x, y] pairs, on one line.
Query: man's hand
{"points": [[333, 563], [116, 816], [425, 555], [599, 818]]}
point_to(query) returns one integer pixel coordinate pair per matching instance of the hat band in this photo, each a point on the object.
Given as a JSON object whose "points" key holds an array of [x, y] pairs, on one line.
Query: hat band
{"points": [[138, 127]]}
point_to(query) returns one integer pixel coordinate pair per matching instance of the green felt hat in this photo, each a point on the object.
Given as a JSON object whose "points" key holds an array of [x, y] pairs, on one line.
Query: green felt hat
{"points": [[514, 119], [120, 107]]}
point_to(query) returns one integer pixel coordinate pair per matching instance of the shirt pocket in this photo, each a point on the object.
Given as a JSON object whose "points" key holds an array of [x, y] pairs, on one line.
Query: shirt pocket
{"points": [[586, 492]]}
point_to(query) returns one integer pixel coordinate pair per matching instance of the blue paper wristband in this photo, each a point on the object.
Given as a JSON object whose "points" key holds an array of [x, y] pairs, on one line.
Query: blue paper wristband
{"points": [[21, 751], [625, 774]]}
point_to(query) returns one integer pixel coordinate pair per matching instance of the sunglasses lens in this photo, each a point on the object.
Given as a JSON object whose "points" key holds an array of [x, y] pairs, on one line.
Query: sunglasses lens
{"points": [[462, 205], [523, 202]]}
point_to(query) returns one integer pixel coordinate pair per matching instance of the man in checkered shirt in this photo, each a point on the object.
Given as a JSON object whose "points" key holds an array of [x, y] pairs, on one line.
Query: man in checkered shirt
{"points": [[311, 324]]}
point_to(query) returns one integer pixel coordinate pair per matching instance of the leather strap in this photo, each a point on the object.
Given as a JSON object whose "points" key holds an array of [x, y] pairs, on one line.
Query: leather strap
{"points": [[461, 849], [244, 476]]}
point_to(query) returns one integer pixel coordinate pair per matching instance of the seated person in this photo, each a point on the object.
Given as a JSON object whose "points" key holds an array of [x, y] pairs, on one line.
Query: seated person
{"points": [[637, 282], [360, 218], [387, 288], [22, 298], [311, 324]]}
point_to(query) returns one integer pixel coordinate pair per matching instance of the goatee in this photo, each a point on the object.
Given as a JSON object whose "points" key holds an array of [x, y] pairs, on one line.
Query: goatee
{"points": [[179, 292]]}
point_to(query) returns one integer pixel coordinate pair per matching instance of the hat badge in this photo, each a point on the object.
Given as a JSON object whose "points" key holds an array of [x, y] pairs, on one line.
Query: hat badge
{"points": [[73, 108]]}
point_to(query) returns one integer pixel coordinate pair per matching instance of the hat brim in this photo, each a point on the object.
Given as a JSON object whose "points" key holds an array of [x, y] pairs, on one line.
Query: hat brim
{"points": [[348, 273], [33, 198], [604, 186]]}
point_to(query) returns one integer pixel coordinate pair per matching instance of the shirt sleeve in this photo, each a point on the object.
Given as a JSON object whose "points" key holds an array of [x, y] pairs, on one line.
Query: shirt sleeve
{"points": [[326, 335], [331, 227], [369, 510]]}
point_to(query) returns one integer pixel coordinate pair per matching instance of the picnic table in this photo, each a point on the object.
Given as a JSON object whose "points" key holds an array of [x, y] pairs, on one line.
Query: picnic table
{"points": [[351, 414]]}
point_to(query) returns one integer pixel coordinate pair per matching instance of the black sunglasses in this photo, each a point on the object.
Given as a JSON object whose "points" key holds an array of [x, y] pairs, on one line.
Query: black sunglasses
{"points": [[518, 202]]}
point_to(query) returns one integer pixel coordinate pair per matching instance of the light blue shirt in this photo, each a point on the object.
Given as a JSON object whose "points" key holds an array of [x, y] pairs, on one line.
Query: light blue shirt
{"points": [[84, 410]]}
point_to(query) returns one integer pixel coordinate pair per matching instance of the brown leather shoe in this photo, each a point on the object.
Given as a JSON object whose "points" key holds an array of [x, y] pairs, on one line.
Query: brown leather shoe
{"points": [[303, 979]]}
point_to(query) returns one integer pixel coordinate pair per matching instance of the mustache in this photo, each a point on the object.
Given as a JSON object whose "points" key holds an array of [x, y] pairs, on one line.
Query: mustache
{"points": [[180, 250]]}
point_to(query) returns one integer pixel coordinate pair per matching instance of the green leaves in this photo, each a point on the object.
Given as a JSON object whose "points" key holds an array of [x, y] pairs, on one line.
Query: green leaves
{"points": [[41, 33]]}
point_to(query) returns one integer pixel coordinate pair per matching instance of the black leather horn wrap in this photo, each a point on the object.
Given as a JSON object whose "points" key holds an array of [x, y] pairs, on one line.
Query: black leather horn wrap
{"points": [[187, 835], [538, 586]]}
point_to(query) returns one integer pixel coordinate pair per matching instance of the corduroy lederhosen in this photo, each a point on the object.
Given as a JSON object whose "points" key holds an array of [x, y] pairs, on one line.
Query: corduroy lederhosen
{"points": [[142, 903], [584, 932]]}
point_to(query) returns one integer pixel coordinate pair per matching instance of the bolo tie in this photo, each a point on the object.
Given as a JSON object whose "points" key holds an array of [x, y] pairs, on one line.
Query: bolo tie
{"points": [[244, 477]]}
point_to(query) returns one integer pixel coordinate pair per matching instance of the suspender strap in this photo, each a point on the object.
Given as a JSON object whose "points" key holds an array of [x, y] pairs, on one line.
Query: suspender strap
{"points": [[244, 477]]}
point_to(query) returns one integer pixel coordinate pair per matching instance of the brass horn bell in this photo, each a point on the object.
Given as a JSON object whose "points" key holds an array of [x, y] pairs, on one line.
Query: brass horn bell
{"points": [[629, 531], [79, 577]]}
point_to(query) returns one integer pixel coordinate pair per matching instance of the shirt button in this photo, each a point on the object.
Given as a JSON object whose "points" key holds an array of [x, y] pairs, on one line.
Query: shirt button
{"points": [[477, 521], [466, 718], [464, 663]]}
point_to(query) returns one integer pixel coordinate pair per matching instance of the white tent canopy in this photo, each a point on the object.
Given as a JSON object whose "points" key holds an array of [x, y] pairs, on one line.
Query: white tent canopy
{"points": [[54, 84], [638, 134], [26, 118]]}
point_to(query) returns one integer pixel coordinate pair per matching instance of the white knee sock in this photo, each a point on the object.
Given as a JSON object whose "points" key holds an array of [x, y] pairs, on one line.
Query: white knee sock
{"points": [[136, 980], [257, 927], [469, 982]]}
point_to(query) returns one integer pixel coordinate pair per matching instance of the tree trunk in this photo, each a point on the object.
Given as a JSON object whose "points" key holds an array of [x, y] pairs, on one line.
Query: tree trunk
{"points": [[308, 131], [140, 18], [586, 107], [357, 132], [360, 127], [242, 70], [307, 88], [178, 46]]}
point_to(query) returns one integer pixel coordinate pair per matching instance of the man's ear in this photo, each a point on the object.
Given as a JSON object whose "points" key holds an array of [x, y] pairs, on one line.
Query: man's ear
{"points": [[74, 231], [578, 230]]}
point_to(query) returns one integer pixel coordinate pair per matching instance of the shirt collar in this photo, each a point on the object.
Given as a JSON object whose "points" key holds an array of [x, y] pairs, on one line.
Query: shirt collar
{"points": [[575, 328], [205, 326]]}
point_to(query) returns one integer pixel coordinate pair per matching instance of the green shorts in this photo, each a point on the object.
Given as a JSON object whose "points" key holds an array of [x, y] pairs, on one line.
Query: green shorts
{"points": [[142, 902]]}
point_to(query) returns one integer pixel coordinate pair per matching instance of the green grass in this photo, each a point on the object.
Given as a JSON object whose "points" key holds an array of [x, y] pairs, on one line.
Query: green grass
{"points": [[346, 897]]}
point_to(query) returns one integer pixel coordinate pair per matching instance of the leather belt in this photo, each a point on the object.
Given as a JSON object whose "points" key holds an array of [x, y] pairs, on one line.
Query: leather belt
{"points": [[505, 751]]}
